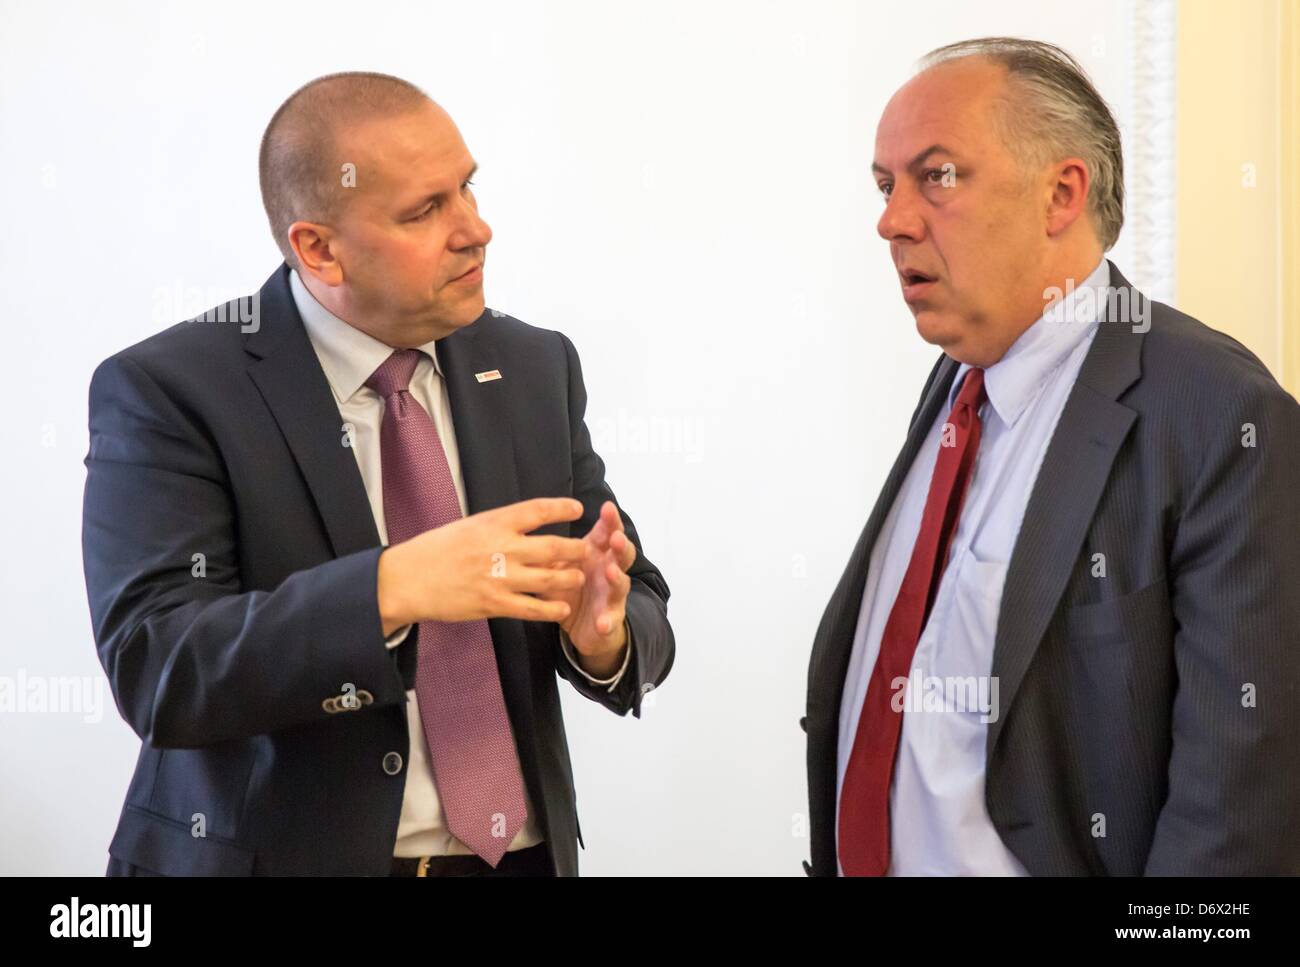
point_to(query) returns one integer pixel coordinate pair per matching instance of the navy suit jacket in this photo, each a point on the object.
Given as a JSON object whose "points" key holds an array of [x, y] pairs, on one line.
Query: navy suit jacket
{"points": [[223, 439]]}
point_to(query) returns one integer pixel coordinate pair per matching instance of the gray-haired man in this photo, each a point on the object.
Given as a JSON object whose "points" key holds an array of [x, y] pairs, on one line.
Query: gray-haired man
{"points": [[1064, 643]]}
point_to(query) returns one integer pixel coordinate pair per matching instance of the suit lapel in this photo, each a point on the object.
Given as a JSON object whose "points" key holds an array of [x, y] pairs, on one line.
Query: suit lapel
{"points": [[288, 374], [481, 415], [1088, 436], [289, 377], [833, 647]]}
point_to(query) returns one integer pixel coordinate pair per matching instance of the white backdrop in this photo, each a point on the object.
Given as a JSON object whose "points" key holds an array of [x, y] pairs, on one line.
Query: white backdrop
{"points": [[681, 187]]}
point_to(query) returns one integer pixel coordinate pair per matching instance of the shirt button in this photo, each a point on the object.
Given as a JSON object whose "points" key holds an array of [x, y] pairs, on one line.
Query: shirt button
{"points": [[392, 763]]}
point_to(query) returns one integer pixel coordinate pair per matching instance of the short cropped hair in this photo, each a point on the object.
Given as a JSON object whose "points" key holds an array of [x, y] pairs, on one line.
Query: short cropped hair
{"points": [[299, 166]]}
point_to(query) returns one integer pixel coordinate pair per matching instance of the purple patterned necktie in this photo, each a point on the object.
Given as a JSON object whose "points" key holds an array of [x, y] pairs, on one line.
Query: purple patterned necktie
{"points": [[475, 762]]}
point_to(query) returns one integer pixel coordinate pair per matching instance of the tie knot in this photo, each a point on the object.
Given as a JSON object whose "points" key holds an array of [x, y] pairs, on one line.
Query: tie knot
{"points": [[394, 374], [972, 390]]}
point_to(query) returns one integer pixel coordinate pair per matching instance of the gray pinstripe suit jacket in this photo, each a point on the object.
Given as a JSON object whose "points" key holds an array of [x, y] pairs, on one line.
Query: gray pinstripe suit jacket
{"points": [[1164, 698]]}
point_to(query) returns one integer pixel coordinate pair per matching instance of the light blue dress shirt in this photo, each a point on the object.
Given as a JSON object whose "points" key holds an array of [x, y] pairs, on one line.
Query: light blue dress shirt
{"points": [[939, 822]]}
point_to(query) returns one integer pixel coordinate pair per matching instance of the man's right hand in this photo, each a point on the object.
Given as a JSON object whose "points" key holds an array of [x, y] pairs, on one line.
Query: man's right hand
{"points": [[483, 566]]}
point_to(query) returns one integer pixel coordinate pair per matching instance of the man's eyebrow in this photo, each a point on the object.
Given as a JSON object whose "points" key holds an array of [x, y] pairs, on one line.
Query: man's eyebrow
{"points": [[439, 195], [915, 162]]}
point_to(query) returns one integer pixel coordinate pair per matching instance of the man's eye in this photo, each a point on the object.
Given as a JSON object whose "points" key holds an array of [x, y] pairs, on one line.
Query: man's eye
{"points": [[434, 205], [884, 189], [934, 176]]}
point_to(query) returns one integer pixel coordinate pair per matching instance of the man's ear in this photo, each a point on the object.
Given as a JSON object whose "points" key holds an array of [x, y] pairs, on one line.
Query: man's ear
{"points": [[310, 241], [1068, 198]]}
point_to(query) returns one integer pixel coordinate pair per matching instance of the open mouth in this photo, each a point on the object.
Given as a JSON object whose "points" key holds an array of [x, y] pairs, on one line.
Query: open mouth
{"points": [[915, 283]]}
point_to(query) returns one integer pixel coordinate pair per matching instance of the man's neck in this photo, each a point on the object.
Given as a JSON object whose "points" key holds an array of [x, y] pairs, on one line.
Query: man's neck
{"points": [[329, 298], [1070, 276], [1057, 281]]}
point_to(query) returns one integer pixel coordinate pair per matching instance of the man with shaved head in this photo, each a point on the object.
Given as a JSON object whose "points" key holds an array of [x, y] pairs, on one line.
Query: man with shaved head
{"points": [[337, 555], [1067, 640]]}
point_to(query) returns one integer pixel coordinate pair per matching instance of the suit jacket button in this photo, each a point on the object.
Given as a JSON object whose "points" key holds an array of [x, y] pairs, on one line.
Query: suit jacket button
{"points": [[393, 763], [807, 867], [803, 722]]}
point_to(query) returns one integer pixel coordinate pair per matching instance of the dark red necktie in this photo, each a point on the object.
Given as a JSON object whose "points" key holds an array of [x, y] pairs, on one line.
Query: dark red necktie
{"points": [[864, 797]]}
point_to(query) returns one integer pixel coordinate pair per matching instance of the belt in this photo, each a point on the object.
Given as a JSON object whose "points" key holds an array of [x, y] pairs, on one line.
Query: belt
{"points": [[533, 861]]}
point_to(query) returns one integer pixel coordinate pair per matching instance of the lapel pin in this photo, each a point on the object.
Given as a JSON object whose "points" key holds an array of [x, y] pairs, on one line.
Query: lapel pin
{"points": [[491, 374]]}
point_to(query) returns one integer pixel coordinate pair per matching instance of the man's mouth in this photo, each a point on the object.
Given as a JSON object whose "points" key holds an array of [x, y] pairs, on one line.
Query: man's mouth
{"points": [[915, 283], [473, 275]]}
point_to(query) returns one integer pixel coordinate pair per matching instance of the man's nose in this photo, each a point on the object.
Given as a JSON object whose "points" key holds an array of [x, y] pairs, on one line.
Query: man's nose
{"points": [[473, 231], [900, 219]]}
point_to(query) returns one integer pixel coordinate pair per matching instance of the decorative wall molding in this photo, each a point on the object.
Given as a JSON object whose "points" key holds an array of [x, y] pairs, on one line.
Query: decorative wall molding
{"points": [[1151, 210]]}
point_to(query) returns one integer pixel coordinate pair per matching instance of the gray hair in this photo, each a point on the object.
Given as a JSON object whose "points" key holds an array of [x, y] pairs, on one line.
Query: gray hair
{"points": [[1054, 112]]}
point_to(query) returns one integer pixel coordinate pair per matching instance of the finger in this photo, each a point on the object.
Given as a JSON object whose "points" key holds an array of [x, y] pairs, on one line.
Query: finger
{"points": [[607, 524], [527, 608], [547, 549], [619, 583], [599, 533], [543, 580], [603, 529], [608, 621], [623, 549], [609, 512], [528, 515]]}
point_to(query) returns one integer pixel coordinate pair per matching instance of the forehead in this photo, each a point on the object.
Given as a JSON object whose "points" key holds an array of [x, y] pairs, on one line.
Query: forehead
{"points": [[949, 104], [409, 151]]}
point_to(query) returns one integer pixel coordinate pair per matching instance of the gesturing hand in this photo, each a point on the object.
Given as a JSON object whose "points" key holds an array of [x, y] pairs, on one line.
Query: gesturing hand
{"points": [[597, 607], [485, 566]]}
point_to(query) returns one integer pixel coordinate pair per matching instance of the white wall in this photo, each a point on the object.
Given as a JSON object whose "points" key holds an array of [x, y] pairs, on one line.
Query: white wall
{"points": [[681, 187]]}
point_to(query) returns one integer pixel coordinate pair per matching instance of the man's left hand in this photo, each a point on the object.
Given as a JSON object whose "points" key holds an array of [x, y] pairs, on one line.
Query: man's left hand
{"points": [[597, 609]]}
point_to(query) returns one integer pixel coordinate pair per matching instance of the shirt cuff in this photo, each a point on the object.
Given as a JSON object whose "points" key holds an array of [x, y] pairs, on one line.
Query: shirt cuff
{"points": [[567, 647], [397, 637]]}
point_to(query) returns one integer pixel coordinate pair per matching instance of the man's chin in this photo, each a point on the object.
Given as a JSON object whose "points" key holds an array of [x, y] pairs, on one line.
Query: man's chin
{"points": [[936, 328], [468, 311]]}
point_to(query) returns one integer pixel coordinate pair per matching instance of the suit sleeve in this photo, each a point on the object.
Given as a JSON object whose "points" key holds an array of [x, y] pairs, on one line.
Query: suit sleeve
{"points": [[653, 646], [1233, 804], [193, 658]]}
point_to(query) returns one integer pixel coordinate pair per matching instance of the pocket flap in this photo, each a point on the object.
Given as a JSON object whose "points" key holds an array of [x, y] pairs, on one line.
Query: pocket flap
{"points": [[165, 845]]}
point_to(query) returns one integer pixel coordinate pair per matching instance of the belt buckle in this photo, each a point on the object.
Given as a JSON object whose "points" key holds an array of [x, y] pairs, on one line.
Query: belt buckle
{"points": [[422, 869]]}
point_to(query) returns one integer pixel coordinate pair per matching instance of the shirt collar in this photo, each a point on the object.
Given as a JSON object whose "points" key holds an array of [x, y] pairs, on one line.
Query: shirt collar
{"points": [[1014, 381], [348, 355]]}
